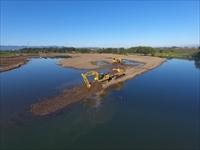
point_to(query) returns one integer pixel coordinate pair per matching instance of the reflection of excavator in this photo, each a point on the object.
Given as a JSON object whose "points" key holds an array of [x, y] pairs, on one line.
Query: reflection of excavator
{"points": [[117, 86], [101, 77], [117, 60]]}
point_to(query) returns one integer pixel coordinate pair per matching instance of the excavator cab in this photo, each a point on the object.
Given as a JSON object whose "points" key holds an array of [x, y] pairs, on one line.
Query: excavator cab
{"points": [[99, 77]]}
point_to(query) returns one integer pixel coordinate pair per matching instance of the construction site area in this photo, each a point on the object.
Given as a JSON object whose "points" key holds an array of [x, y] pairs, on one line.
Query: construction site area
{"points": [[121, 68]]}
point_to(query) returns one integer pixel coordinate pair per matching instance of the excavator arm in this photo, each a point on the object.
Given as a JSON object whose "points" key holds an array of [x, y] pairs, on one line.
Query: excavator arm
{"points": [[97, 77], [86, 80], [92, 73], [101, 77]]}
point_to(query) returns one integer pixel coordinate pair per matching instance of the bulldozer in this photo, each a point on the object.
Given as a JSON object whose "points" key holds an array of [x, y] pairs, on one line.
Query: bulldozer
{"points": [[117, 60], [102, 77]]}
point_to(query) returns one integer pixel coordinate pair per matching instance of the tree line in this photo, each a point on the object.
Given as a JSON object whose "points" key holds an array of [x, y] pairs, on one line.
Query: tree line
{"points": [[140, 49], [196, 58]]}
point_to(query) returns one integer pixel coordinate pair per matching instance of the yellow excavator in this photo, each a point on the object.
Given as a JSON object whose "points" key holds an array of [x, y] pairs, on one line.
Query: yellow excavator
{"points": [[101, 77], [117, 60], [97, 77]]}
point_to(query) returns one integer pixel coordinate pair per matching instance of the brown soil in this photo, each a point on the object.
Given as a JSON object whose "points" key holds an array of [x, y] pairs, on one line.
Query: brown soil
{"points": [[56, 104], [8, 63]]}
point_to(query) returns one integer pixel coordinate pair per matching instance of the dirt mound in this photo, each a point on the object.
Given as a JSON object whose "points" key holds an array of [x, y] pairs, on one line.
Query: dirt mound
{"points": [[56, 104]]}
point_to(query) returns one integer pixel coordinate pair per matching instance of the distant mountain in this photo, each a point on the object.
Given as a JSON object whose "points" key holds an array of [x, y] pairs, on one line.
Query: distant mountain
{"points": [[13, 47], [192, 45]]}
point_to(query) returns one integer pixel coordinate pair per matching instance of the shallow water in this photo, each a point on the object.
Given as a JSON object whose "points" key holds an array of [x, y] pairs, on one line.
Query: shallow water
{"points": [[128, 62], [125, 62], [158, 109], [102, 63]]}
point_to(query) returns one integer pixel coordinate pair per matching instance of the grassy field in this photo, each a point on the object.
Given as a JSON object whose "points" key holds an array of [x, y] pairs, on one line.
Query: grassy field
{"points": [[8, 54], [179, 53], [167, 53]]}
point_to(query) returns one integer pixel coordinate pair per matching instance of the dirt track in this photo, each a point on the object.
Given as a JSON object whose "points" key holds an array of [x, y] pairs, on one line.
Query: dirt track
{"points": [[56, 104]]}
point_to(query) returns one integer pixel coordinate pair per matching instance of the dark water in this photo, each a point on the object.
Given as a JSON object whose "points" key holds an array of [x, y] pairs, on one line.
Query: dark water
{"points": [[158, 109]]}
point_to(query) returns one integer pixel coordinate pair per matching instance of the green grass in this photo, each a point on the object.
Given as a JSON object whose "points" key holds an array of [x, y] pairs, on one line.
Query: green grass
{"points": [[7, 54], [181, 53]]}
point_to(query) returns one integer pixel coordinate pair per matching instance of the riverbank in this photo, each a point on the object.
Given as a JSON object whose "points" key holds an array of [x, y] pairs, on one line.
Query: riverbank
{"points": [[15, 61], [12, 62]]}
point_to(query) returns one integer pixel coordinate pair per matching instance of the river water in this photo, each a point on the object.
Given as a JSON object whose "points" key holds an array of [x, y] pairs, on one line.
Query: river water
{"points": [[157, 109]]}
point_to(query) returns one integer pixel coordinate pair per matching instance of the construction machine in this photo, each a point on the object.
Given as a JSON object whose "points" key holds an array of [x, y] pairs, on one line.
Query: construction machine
{"points": [[102, 77], [117, 60], [97, 77]]}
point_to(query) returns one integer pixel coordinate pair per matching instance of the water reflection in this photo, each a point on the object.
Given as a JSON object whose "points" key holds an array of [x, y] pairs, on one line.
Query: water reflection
{"points": [[117, 86], [89, 101], [55, 57], [95, 99], [197, 64]]}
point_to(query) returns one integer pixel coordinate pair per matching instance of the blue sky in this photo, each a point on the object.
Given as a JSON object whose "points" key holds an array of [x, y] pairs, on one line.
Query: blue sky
{"points": [[101, 24]]}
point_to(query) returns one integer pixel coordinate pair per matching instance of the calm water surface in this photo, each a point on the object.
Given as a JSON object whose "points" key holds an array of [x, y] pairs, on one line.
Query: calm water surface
{"points": [[158, 109]]}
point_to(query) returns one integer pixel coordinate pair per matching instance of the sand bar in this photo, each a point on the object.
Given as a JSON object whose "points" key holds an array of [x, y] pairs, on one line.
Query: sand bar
{"points": [[84, 61]]}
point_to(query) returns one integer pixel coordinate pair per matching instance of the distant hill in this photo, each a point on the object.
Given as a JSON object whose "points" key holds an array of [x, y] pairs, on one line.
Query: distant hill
{"points": [[13, 47], [2, 47]]}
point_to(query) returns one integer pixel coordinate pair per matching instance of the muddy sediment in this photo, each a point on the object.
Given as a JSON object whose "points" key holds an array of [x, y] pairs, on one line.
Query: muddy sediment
{"points": [[9, 63], [56, 104]]}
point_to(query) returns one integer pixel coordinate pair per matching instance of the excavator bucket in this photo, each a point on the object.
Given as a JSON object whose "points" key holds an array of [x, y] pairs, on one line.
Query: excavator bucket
{"points": [[117, 60]]}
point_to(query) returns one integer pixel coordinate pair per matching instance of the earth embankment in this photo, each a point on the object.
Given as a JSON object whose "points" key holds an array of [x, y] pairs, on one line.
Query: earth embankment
{"points": [[9, 63]]}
